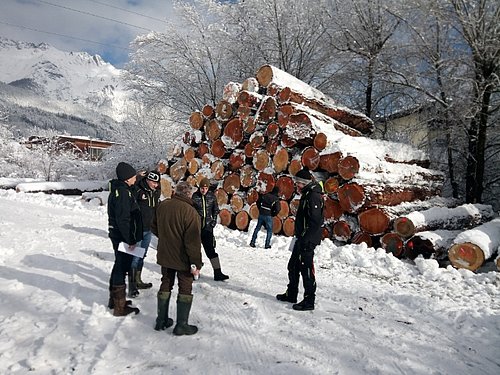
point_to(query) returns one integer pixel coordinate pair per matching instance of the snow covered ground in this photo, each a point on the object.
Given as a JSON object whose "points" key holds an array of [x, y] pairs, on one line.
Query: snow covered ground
{"points": [[374, 314]]}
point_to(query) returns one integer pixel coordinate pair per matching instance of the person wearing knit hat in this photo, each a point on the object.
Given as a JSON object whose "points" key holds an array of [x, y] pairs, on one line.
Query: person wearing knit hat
{"points": [[147, 193], [308, 235], [177, 226], [205, 203], [124, 225]]}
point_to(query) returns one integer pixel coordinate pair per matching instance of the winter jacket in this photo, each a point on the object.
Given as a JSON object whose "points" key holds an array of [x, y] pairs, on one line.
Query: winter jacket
{"points": [[124, 215], [207, 208], [309, 217], [148, 200], [177, 226], [268, 204]]}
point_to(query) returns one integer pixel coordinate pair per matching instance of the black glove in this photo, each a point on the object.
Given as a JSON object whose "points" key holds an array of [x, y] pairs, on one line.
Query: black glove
{"points": [[213, 223]]}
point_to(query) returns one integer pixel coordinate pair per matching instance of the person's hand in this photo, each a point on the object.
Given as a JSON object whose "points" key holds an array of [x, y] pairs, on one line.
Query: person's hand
{"points": [[131, 247], [213, 223]]}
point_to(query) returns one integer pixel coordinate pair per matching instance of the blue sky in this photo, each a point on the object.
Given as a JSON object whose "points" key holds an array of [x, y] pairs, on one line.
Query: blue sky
{"points": [[103, 27]]}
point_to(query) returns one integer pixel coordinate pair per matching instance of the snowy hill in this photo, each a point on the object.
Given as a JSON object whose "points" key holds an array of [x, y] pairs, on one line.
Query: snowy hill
{"points": [[75, 79]]}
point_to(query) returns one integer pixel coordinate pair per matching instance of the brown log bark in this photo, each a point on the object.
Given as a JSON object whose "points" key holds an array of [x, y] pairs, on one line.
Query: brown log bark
{"points": [[310, 158], [277, 225], [231, 183], [360, 237], [265, 182], [237, 202], [242, 220], [253, 211], [221, 196], [331, 185], [196, 120], [213, 129], [425, 163], [332, 210], [280, 160], [348, 167], [247, 176], [226, 217], [223, 111], [385, 195], [286, 187], [330, 162], [178, 169], [392, 243], [261, 160], [289, 226], [236, 160], [218, 149], [208, 111], [374, 221], [233, 133], [217, 169], [430, 244], [341, 231]]}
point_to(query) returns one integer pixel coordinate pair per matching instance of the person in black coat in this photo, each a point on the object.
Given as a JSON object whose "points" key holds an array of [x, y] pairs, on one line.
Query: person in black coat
{"points": [[205, 203], [148, 197], [124, 225], [269, 206], [308, 235]]}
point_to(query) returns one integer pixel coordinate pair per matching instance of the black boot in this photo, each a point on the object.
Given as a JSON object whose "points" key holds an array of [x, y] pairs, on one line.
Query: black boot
{"points": [[120, 307], [162, 320], [218, 275], [287, 296], [184, 302], [306, 304], [140, 284], [133, 292]]}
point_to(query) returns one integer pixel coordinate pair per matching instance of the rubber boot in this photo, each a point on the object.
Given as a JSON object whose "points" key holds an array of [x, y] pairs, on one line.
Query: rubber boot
{"points": [[288, 296], [132, 283], [140, 284], [162, 320], [121, 309], [184, 302], [306, 304], [111, 303], [218, 275]]}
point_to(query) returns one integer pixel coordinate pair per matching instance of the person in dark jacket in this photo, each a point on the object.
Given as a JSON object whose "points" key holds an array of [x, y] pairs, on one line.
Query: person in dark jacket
{"points": [[177, 226], [124, 225], [205, 203], [148, 197], [308, 235], [269, 206]]}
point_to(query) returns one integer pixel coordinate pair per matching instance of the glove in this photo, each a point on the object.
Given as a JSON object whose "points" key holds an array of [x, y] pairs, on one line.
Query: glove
{"points": [[213, 223]]}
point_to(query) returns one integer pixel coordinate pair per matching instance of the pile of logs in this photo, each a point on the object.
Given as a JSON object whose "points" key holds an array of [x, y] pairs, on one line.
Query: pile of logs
{"points": [[264, 130]]}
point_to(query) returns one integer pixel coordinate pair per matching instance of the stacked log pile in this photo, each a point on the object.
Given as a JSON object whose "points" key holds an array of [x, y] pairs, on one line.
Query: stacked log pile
{"points": [[267, 128]]}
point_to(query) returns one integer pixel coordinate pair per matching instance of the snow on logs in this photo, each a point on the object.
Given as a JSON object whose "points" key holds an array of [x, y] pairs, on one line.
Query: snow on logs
{"points": [[264, 130]]}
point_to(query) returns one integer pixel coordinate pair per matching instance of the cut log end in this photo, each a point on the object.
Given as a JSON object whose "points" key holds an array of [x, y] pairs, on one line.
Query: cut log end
{"points": [[466, 255], [392, 243], [404, 227]]}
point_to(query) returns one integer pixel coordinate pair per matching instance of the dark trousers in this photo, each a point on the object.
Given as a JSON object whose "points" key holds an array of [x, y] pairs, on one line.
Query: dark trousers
{"points": [[121, 267], [184, 280], [208, 242], [302, 263]]}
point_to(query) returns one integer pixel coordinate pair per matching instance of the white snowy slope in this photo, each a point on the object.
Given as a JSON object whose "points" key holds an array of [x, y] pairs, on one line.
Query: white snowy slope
{"points": [[70, 77], [374, 314]]}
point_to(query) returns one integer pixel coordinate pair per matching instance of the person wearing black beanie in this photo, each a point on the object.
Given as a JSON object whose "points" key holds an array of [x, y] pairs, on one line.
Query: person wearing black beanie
{"points": [[124, 225]]}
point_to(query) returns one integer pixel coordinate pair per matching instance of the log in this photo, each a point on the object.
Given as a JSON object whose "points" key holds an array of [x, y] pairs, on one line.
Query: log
{"points": [[223, 111], [341, 231], [189, 154], [230, 92], [392, 195], [221, 196], [218, 149], [178, 169], [331, 210], [310, 158], [236, 160], [351, 197], [277, 225], [472, 247], [294, 205], [249, 99], [203, 149], [286, 187], [266, 111], [257, 139], [208, 111], [249, 150], [272, 130], [250, 84], [320, 141], [374, 221], [464, 216], [226, 217], [265, 182], [284, 112], [289, 226], [253, 211], [326, 232], [213, 129], [252, 196], [430, 244], [247, 176], [231, 183], [362, 237], [280, 160], [294, 166], [348, 167], [249, 125], [166, 187], [237, 202], [392, 243], [162, 166], [261, 160], [272, 146], [193, 166], [331, 185], [287, 141], [330, 162], [217, 169], [242, 220], [189, 139], [196, 120], [233, 133], [284, 210]]}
